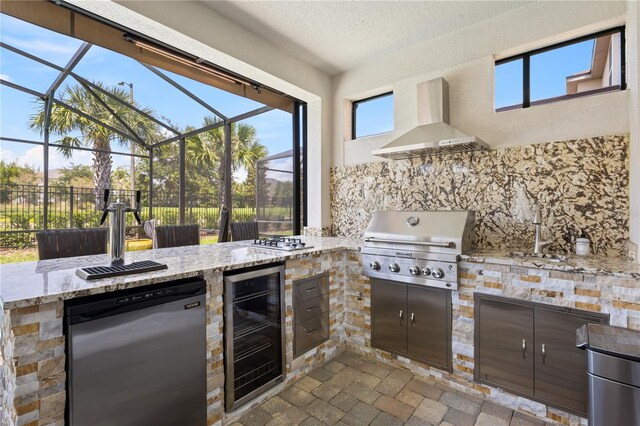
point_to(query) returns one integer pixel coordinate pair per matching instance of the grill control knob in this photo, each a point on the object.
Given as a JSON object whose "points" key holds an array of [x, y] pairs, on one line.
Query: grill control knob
{"points": [[374, 265], [414, 270], [394, 267], [437, 273], [426, 271]]}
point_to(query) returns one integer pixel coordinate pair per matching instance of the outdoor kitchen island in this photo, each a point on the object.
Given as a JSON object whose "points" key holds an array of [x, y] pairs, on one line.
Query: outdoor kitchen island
{"points": [[33, 385]]}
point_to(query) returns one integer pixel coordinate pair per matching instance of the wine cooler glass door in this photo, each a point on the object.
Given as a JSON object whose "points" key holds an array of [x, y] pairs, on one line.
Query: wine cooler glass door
{"points": [[253, 327]]}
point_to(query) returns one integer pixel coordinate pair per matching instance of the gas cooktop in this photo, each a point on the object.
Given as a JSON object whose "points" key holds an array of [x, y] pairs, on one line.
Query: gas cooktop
{"points": [[281, 243]]}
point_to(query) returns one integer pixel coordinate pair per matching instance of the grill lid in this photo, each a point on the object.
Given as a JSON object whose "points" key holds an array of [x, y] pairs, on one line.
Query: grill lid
{"points": [[439, 231]]}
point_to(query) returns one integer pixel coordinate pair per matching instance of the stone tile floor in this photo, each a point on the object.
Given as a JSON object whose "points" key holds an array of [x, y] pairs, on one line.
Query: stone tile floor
{"points": [[355, 390]]}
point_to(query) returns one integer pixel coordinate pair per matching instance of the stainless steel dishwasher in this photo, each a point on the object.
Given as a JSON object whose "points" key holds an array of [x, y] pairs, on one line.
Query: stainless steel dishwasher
{"points": [[138, 357], [613, 373]]}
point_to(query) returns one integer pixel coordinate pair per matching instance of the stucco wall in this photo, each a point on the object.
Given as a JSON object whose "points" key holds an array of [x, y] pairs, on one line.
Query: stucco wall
{"points": [[465, 58], [633, 72]]}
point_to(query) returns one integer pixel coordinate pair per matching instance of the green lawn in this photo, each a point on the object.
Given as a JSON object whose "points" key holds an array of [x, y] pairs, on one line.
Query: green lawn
{"points": [[18, 255], [31, 253]]}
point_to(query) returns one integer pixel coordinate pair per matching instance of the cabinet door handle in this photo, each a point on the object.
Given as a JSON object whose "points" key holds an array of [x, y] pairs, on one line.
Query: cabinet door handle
{"points": [[544, 354], [401, 314], [413, 320], [524, 348]]}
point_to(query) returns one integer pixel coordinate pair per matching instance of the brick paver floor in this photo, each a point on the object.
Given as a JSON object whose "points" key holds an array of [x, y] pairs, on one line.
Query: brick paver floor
{"points": [[356, 390]]}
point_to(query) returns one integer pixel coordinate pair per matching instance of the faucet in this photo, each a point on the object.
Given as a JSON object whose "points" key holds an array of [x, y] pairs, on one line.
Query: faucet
{"points": [[538, 246], [117, 226]]}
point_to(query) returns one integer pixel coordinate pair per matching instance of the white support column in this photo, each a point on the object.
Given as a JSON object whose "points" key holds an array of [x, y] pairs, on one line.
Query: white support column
{"points": [[633, 83]]}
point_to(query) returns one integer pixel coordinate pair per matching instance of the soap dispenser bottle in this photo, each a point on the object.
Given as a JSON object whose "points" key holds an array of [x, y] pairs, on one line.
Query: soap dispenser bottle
{"points": [[583, 244]]}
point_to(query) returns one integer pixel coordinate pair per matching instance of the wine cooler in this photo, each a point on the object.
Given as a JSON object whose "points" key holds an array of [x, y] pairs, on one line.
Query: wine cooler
{"points": [[254, 332]]}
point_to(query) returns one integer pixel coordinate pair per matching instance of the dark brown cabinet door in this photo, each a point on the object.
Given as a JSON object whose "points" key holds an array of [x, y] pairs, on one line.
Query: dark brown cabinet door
{"points": [[560, 367], [505, 343], [429, 325], [389, 315]]}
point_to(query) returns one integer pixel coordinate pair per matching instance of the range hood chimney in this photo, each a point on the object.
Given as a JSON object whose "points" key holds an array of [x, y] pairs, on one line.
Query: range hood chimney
{"points": [[433, 135]]}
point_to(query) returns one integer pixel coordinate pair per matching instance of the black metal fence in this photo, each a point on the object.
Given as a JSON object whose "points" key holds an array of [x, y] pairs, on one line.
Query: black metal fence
{"points": [[22, 211]]}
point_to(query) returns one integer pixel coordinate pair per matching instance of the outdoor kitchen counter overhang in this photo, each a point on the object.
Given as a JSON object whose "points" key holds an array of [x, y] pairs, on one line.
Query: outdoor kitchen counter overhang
{"points": [[35, 283]]}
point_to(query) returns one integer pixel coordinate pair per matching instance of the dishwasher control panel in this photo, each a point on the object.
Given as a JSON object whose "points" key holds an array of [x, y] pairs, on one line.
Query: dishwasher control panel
{"points": [[145, 296], [101, 305]]}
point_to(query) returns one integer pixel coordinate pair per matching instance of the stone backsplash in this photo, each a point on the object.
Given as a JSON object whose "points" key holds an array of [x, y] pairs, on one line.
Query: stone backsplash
{"points": [[580, 184]]}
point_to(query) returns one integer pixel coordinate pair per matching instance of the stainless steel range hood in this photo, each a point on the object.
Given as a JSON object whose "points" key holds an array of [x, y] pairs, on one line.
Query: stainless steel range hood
{"points": [[433, 135]]}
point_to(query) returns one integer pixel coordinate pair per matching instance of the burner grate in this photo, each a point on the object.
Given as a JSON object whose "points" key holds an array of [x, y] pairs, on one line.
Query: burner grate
{"points": [[280, 243], [97, 272]]}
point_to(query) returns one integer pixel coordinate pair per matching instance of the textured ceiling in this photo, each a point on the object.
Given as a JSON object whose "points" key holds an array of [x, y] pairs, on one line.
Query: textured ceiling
{"points": [[336, 36]]}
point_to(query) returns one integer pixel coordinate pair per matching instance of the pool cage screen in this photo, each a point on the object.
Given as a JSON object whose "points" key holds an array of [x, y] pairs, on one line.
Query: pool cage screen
{"points": [[163, 147], [275, 194]]}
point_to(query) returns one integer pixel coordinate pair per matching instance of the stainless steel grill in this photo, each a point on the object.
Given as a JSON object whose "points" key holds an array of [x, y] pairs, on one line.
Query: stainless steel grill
{"points": [[419, 247]]}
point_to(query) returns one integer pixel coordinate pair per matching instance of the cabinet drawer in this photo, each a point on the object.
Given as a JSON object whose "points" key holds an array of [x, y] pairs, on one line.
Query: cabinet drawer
{"points": [[311, 333], [310, 308], [310, 288]]}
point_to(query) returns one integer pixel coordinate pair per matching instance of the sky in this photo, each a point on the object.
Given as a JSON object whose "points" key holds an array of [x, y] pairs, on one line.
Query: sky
{"points": [[374, 116], [548, 74], [274, 128]]}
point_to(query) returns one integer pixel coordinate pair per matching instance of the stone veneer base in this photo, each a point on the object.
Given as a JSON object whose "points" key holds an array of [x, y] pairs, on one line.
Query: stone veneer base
{"points": [[597, 293], [33, 376], [34, 382]]}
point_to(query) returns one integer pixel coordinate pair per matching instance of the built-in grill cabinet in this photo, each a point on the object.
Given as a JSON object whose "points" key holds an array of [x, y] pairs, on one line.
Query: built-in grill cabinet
{"points": [[412, 321], [310, 313], [529, 349], [411, 258]]}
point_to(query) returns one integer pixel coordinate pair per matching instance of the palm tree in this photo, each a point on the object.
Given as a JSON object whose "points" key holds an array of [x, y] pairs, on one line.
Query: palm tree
{"points": [[95, 136], [206, 149]]}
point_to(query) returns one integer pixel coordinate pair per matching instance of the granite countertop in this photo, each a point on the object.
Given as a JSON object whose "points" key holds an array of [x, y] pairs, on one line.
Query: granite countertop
{"points": [[33, 283], [614, 266]]}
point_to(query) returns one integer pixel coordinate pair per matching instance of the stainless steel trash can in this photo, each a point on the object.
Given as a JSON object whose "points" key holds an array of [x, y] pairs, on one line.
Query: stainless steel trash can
{"points": [[613, 374]]}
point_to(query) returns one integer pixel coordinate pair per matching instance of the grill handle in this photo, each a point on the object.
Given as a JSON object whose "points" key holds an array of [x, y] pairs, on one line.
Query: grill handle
{"points": [[447, 244]]}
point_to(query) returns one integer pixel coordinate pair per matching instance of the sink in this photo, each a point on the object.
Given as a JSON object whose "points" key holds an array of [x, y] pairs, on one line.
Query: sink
{"points": [[545, 256]]}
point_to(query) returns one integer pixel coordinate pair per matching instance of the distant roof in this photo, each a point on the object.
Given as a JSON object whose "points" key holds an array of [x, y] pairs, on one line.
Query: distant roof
{"points": [[278, 156]]}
